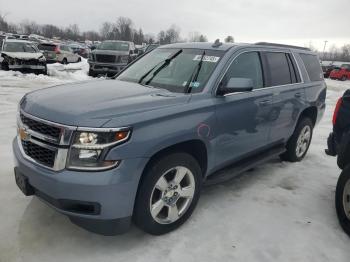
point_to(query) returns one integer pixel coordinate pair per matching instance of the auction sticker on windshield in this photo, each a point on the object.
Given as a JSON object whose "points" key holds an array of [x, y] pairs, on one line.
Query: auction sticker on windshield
{"points": [[207, 58]]}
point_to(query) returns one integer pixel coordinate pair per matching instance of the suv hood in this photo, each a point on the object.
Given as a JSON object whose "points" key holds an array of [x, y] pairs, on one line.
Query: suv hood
{"points": [[94, 103], [23, 55]]}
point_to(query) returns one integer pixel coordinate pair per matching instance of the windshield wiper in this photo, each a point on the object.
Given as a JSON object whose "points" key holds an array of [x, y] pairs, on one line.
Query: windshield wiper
{"points": [[194, 75], [163, 64]]}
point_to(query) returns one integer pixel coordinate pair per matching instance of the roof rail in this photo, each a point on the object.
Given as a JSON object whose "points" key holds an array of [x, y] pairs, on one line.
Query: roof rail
{"points": [[281, 45]]}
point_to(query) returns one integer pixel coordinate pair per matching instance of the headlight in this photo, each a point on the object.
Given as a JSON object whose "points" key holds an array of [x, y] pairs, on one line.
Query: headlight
{"points": [[124, 59], [91, 57], [42, 59], [89, 149]]}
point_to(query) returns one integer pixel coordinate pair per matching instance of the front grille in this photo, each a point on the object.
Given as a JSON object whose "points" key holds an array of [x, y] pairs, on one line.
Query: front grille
{"points": [[40, 127], [105, 58], [40, 154], [31, 62]]}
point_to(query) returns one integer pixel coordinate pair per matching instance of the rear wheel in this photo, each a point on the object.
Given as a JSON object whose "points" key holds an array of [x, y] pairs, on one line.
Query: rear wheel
{"points": [[168, 193], [64, 61], [342, 199], [299, 142], [91, 73], [343, 78]]}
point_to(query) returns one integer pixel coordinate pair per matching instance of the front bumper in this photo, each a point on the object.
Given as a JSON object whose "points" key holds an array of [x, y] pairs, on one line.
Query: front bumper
{"points": [[104, 68], [113, 191], [31, 67]]}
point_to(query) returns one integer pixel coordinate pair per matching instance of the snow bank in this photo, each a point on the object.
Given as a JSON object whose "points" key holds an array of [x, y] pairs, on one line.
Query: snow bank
{"points": [[70, 72], [57, 74]]}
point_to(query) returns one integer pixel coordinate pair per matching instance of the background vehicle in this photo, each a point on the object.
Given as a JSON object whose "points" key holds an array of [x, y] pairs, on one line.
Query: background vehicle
{"points": [[328, 69], [60, 53], [141, 146], [341, 73], [110, 57], [339, 145], [22, 56], [151, 47], [80, 49]]}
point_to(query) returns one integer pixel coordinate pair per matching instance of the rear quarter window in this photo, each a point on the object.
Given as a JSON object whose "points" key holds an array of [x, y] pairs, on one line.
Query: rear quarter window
{"points": [[312, 66]]}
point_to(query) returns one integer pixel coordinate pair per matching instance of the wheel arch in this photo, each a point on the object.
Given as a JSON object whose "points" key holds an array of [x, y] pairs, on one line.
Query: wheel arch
{"points": [[194, 147], [310, 112]]}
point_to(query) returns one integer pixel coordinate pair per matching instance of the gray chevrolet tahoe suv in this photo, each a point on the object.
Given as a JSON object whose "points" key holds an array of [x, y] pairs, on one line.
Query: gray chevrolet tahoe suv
{"points": [[139, 147], [110, 57]]}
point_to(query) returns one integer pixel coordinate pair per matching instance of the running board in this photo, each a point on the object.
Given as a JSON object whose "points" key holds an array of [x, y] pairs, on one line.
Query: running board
{"points": [[241, 166]]}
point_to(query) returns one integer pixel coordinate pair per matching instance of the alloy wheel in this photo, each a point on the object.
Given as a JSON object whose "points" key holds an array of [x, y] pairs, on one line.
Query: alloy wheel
{"points": [[172, 195], [303, 141]]}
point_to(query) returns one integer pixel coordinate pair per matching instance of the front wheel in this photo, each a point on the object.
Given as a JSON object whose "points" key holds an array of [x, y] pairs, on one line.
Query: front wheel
{"points": [[299, 143], [343, 78], [5, 66], [168, 193], [342, 200]]}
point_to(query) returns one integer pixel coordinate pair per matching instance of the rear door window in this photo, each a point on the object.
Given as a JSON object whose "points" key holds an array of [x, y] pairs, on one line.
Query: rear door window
{"points": [[279, 72], [313, 67]]}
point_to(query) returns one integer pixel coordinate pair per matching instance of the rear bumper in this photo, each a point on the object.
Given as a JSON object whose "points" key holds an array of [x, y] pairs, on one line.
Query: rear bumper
{"points": [[101, 202]]}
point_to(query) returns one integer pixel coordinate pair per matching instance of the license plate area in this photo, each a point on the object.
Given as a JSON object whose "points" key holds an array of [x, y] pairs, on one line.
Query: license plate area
{"points": [[23, 184]]}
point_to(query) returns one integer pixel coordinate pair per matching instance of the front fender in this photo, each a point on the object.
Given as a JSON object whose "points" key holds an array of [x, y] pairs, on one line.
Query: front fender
{"points": [[149, 138]]}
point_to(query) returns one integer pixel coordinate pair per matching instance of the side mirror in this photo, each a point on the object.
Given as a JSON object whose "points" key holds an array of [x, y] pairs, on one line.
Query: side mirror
{"points": [[236, 84]]}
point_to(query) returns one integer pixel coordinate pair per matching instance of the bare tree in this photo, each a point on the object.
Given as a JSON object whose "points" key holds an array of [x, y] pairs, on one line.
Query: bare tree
{"points": [[197, 37], [345, 54], [106, 30], [29, 27], [124, 26], [91, 35], [172, 35]]}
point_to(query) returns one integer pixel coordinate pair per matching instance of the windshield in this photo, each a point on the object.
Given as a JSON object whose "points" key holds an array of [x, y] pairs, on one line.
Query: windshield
{"points": [[19, 47], [115, 46], [177, 73]]}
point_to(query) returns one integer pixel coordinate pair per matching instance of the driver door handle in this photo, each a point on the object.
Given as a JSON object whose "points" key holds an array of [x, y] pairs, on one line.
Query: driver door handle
{"points": [[297, 95]]}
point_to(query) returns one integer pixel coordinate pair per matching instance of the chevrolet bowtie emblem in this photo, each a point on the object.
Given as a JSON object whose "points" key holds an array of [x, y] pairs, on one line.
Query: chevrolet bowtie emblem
{"points": [[23, 134]]}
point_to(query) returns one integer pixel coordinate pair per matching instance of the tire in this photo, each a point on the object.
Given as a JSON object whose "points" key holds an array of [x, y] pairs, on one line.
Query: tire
{"points": [[149, 193], [64, 61], [79, 59], [44, 72], [4, 66], [343, 78], [293, 154], [342, 198], [92, 73]]}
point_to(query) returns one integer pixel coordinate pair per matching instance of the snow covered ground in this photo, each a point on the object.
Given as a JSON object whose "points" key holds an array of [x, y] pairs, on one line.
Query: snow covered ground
{"points": [[277, 212]]}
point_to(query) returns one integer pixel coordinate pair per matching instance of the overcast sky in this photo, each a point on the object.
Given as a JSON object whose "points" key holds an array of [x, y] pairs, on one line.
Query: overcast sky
{"points": [[285, 21]]}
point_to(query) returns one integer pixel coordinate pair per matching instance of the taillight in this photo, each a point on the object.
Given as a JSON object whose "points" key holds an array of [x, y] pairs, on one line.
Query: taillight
{"points": [[336, 110], [57, 50]]}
